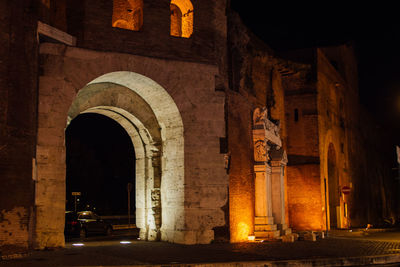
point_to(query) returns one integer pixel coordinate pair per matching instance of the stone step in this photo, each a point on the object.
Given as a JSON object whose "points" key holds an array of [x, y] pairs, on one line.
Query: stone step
{"points": [[265, 227], [286, 231], [263, 220], [267, 234]]}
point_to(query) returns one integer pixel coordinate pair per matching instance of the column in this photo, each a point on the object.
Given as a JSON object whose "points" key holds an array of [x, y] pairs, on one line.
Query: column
{"points": [[278, 163], [264, 227], [263, 203]]}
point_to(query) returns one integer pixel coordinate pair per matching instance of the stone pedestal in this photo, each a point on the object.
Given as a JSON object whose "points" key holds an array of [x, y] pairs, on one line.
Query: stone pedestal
{"points": [[264, 226], [278, 163]]}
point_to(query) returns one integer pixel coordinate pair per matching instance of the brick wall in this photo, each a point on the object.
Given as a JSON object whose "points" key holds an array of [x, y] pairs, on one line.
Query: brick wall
{"points": [[91, 22], [304, 197], [18, 81]]}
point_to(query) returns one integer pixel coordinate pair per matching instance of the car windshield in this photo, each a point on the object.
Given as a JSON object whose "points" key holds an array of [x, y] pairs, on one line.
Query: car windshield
{"points": [[85, 216]]}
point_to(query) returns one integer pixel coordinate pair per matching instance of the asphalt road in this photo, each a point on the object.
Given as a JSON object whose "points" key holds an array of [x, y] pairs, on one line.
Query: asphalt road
{"points": [[386, 236], [101, 251]]}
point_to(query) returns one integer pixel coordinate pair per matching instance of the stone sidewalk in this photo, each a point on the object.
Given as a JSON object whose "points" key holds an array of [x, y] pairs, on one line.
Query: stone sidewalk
{"points": [[336, 250]]}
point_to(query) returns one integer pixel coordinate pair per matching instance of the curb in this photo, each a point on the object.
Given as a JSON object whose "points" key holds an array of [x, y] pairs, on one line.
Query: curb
{"points": [[350, 261], [13, 256]]}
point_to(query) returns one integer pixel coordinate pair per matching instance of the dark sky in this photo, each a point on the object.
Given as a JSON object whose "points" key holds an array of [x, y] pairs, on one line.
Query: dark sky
{"points": [[375, 31]]}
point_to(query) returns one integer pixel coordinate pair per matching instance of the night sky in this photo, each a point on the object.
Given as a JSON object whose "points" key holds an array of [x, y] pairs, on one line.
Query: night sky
{"points": [[374, 30]]}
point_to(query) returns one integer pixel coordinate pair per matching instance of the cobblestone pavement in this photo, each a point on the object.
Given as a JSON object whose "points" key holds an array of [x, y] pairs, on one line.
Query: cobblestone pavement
{"points": [[112, 252]]}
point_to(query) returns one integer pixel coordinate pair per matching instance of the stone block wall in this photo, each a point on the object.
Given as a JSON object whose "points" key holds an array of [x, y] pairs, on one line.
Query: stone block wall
{"points": [[90, 22], [193, 204], [18, 70]]}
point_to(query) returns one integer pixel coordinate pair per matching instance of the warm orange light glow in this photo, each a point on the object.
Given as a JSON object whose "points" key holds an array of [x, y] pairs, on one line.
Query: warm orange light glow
{"points": [[251, 238], [241, 217], [304, 198], [128, 14], [181, 18], [243, 231]]}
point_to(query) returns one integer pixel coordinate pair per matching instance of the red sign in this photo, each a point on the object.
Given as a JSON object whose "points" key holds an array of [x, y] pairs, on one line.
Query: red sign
{"points": [[346, 190]]}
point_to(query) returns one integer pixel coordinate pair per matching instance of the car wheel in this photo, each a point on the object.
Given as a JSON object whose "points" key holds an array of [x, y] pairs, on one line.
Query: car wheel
{"points": [[109, 231], [82, 233]]}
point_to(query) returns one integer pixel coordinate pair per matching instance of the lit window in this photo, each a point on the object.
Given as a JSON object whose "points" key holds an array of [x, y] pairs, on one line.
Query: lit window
{"points": [[128, 14], [181, 18]]}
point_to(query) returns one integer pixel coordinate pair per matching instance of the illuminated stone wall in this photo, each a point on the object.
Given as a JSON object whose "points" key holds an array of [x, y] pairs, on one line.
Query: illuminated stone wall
{"points": [[254, 81], [260, 78], [192, 201], [303, 179], [83, 19]]}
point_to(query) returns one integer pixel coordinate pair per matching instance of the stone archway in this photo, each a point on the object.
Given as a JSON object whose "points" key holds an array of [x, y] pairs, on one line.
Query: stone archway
{"points": [[152, 120]]}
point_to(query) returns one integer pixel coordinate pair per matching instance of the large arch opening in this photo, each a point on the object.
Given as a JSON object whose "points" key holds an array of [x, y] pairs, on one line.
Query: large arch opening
{"points": [[154, 125], [100, 163], [333, 185]]}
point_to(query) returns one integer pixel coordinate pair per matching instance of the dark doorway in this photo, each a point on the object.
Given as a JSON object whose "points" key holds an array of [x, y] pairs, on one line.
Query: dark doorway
{"points": [[333, 183], [100, 161]]}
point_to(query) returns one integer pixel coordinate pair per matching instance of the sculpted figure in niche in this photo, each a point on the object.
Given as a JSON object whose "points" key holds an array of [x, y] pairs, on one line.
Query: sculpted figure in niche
{"points": [[260, 116]]}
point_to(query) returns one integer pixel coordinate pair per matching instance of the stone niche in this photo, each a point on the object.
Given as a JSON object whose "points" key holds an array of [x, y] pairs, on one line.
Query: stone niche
{"points": [[269, 163]]}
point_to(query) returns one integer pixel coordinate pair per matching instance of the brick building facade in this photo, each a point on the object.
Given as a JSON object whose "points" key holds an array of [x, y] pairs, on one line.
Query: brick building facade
{"points": [[184, 79]]}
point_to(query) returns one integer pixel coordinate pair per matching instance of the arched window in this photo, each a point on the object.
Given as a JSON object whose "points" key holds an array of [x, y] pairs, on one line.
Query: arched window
{"points": [[128, 14], [181, 18]]}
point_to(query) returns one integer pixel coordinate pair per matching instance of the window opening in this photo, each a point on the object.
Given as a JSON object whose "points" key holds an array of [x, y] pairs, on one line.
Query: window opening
{"points": [[128, 14], [181, 18]]}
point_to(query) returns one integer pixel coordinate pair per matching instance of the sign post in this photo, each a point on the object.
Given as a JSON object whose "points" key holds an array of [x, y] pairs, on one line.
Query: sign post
{"points": [[346, 190], [75, 194], [129, 189], [326, 208], [398, 159]]}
